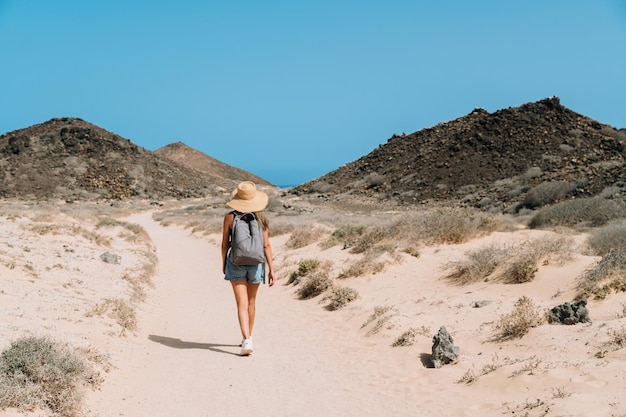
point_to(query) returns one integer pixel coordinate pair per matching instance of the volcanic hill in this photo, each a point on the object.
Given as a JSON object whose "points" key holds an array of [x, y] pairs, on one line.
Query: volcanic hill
{"points": [[486, 159], [192, 158], [70, 158]]}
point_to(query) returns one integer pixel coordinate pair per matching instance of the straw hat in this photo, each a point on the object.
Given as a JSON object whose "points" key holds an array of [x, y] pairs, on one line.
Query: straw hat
{"points": [[246, 198]]}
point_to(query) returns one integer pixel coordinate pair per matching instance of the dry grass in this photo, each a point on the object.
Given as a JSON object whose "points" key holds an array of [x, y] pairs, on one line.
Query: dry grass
{"points": [[119, 310], [510, 263], [304, 236], [314, 285], [345, 235], [609, 238], [516, 324], [361, 267], [305, 267], [409, 337], [605, 277], [341, 297], [36, 372], [617, 341], [589, 212], [609, 274], [548, 193]]}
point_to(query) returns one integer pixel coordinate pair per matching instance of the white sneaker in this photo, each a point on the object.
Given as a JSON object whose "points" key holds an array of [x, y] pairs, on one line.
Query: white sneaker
{"points": [[246, 347]]}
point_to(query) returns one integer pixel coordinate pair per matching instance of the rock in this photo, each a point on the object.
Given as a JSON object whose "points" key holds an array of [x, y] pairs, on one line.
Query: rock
{"points": [[111, 258], [569, 314], [481, 303], [443, 350]]}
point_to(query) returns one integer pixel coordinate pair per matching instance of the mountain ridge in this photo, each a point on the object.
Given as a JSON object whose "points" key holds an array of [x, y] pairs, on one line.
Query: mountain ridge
{"points": [[495, 156]]}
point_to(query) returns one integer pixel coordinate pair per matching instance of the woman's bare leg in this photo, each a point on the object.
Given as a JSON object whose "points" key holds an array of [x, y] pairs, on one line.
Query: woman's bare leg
{"points": [[252, 292], [245, 296]]}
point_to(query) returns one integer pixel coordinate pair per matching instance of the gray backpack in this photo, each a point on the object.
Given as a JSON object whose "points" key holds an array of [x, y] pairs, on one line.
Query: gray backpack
{"points": [[246, 240]]}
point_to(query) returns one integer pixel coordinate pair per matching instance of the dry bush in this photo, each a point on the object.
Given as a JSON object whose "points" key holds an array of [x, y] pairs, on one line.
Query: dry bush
{"points": [[469, 377], [119, 310], [378, 312], [372, 237], [609, 274], [548, 193], [314, 285], [593, 212], [363, 266], [305, 267], [516, 324], [345, 235], [443, 225], [409, 337], [303, 236], [611, 237], [342, 296], [606, 276], [522, 268], [518, 263], [479, 264], [412, 250], [36, 372]]}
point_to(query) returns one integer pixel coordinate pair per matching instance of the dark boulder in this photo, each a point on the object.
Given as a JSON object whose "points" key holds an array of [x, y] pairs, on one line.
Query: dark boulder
{"points": [[569, 313], [443, 351]]}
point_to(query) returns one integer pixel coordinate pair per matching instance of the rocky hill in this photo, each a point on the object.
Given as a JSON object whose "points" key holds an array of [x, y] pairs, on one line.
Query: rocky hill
{"points": [[487, 159], [192, 158], [72, 159]]}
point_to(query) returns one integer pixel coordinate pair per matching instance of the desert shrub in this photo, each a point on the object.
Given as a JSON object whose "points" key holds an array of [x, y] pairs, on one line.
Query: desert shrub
{"points": [[363, 266], [469, 377], [407, 338], [479, 264], [374, 179], [378, 312], [35, 372], [341, 297], [611, 237], [315, 284], [412, 250], [119, 310], [548, 193], [523, 268], [305, 266], [373, 236], [606, 276], [518, 263], [303, 236], [516, 324], [345, 235], [443, 225], [322, 187], [592, 212]]}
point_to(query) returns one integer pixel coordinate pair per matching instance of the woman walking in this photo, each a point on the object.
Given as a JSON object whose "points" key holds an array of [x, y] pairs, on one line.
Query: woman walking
{"points": [[245, 279]]}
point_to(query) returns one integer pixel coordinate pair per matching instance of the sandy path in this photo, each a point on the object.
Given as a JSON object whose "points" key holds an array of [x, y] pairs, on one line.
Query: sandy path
{"points": [[184, 359]]}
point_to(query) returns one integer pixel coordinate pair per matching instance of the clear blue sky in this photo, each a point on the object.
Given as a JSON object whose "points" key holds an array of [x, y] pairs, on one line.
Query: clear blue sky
{"points": [[291, 90]]}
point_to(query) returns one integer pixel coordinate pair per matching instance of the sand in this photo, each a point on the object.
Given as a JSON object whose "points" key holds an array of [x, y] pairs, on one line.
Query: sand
{"points": [[309, 361]]}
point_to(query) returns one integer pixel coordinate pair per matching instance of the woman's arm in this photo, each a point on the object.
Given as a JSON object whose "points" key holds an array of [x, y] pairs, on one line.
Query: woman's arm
{"points": [[267, 248], [228, 223]]}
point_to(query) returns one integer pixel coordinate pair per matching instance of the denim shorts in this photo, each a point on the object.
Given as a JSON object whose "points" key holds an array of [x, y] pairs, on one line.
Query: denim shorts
{"points": [[255, 274]]}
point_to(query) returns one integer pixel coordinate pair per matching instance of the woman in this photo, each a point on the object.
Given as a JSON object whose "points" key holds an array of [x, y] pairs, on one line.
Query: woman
{"points": [[245, 279]]}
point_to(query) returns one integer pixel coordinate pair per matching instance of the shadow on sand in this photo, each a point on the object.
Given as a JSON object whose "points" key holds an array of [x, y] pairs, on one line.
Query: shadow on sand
{"points": [[181, 344], [427, 360]]}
